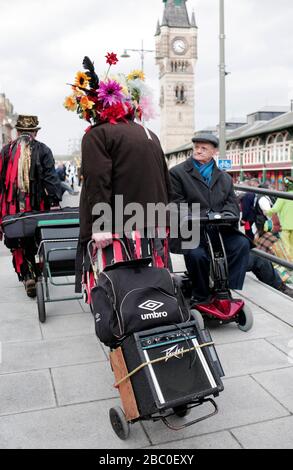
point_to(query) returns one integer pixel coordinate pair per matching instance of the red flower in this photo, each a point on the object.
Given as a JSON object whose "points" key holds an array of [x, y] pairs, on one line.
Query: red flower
{"points": [[111, 58], [139, 112], [114, 113]]}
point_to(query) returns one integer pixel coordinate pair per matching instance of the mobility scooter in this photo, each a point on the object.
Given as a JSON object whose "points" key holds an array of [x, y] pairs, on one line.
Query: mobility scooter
{"points": [[220, 305]]}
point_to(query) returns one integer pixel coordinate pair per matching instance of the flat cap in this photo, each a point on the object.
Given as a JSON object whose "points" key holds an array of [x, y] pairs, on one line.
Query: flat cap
{"points": [[206, 137]]}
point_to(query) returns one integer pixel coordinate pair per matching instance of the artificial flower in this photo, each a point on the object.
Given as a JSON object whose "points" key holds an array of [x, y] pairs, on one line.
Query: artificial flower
{"points": [[147, 108], [110, 92], [76, 91], [111, 58], [70, 103], [114, 113], [136, 74], [81, 80], [85, 103], [114, 98]]}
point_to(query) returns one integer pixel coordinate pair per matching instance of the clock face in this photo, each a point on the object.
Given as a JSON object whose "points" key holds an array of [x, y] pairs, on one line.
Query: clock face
{"points": [[179, 46]]}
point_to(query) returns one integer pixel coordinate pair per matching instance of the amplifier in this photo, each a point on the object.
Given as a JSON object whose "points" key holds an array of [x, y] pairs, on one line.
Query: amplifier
{"points": [[179, 377]]}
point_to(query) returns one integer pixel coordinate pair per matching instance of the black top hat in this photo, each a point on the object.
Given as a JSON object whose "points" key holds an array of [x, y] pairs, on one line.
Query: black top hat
{"points": [[206, 137], [27, 123]]}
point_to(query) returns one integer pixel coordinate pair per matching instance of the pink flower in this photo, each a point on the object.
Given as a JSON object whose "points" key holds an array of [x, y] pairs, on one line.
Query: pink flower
{"points": [[147, 108], [110, 93]]}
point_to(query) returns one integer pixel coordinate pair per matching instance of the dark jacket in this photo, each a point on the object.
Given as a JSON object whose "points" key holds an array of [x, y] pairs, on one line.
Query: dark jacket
{"points": [[188, 186], [120, 159], [45, 187], [247, 207]]}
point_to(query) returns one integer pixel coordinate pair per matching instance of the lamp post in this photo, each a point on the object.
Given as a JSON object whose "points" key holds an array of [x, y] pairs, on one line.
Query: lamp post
{"points": [[222, 134], [140, 51]]}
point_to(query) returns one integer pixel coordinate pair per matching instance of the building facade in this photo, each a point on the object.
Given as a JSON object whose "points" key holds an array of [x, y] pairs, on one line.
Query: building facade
{"points": [[7, 120], [262, 148], [176, 54]]}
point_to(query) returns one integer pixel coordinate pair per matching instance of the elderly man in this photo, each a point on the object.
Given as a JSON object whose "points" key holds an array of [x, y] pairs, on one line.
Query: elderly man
{"points": [[199, 180]]}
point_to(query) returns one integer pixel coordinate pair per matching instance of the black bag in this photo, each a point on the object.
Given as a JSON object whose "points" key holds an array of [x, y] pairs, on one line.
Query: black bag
{"points": [[24, 224], [132, 296]]}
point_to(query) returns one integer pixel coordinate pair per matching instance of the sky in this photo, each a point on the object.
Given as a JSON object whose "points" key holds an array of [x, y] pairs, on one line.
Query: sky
{"points": [[43, 42]]}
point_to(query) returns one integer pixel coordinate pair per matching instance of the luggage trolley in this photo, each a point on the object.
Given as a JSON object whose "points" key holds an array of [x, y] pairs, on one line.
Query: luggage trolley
{"points": [[57, 240], [163, 372]]}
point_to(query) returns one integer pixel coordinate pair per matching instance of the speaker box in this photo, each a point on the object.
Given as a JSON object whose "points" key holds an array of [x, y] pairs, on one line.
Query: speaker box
{"points": [[178, 378]]}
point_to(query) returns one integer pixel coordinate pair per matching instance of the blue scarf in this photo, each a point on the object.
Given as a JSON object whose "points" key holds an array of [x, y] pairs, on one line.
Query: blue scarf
{"points": [[205, 169]]}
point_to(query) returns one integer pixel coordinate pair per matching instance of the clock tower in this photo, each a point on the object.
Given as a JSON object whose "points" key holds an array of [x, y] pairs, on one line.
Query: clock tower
{"points": [[176, 54]]}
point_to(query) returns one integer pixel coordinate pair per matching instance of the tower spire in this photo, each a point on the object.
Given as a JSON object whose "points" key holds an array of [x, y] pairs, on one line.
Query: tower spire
{"points": [[175, 14], [193, 22]]}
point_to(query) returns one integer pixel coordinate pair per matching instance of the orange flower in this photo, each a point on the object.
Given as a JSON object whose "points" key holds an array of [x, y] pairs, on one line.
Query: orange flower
{"points": [[77, 91], [85, 103], [70, 103], [81, 79]]}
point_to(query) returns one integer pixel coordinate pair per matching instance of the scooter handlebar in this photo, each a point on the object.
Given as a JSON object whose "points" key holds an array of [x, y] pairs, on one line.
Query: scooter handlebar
{"points": [[215, 218]]}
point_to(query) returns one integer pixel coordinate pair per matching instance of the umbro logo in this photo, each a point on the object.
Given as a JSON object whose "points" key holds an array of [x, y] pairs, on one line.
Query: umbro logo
{"points": [[151, 305]]}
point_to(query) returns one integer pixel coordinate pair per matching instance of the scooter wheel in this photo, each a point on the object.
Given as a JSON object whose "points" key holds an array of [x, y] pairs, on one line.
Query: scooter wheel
{"points": [[119, 423], [196, 315], [245, 319]]}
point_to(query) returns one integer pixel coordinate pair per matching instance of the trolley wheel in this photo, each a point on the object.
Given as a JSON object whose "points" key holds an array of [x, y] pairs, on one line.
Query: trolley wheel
{"points": [[245, 319], [196, 315], [119, 423], [41, 302], [181, 411]]}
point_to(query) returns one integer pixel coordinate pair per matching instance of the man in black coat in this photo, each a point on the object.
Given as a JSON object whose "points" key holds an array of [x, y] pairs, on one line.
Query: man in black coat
{"points": [[199, 180]]}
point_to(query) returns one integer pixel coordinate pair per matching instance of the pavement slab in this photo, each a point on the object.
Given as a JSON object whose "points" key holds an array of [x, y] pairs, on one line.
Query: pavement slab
{"points": [[265, 326], [277, 434], [285, 344], [248, 357], [279, 383], [26, 391], [278, 304], [34, 355], [242, 402], [19, 322], [84, 383], [62, 326], [217, 440], [85, 426]]}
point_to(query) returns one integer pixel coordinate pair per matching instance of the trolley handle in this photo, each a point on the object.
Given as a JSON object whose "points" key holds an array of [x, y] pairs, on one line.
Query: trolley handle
{"points": [[98, 253]]}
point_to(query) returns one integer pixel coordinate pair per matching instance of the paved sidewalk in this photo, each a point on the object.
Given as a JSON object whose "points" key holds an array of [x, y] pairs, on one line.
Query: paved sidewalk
{"points": [[56, 385]]}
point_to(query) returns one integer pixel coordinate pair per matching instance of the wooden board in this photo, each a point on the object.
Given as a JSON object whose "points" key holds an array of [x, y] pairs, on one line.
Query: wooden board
{"points": [[125, 388]]}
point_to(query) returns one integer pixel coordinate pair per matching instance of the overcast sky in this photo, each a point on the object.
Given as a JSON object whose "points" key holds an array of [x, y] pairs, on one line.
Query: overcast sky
{"points": [[43, 42]]}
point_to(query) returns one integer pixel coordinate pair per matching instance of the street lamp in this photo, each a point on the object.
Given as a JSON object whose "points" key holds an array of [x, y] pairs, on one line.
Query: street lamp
{"points": [[140, 51], [223, 73]]}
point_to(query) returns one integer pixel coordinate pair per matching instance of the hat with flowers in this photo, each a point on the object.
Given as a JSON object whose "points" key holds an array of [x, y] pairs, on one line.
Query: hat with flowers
{"points": [[111, 99]]}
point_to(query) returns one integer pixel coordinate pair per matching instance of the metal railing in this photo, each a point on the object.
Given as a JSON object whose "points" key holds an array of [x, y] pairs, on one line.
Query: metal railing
{"points": [[268, 192]]}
